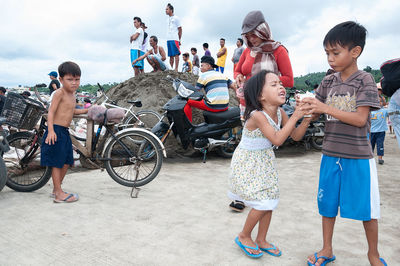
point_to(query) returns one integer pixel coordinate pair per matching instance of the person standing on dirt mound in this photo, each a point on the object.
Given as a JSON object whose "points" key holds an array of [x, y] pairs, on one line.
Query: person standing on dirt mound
{"points": [[174, 35], [137, 42], [262, 53], [221, 55]]}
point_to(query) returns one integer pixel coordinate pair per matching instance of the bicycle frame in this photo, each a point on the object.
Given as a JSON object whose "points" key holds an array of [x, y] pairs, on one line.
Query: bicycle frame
{"points": [[110, 105]]}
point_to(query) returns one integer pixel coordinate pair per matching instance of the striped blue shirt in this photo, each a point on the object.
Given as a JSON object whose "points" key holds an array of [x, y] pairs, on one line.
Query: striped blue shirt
{"points": [[215, 84]]}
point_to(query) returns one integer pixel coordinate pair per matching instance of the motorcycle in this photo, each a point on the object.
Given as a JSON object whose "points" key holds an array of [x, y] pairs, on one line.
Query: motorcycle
{"points": [[217, 132], [315, 132]]}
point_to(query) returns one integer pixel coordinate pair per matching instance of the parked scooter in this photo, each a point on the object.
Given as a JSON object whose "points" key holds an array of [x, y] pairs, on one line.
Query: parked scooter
{"points": [[219, 131], [315, 132]]}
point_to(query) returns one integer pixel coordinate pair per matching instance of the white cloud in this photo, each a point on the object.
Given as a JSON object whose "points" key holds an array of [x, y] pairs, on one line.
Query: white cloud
{"points": [[38, 35]]}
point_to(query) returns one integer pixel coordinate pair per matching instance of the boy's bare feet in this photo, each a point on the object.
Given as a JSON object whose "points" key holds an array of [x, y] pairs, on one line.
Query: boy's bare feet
{"points": [[324, 252], [265, 244], [247, 241]]}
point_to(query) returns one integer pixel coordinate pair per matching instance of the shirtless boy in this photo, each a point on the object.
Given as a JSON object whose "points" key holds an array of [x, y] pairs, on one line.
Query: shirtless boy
{"points": [[56, 149]]}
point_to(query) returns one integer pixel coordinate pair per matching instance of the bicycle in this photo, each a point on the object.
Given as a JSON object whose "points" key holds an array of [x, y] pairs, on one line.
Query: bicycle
{"points": [[144, 118], [132, 157]]}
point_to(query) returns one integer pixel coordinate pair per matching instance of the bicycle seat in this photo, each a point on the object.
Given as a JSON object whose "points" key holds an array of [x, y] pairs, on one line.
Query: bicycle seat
{"points": [[137, 103]]}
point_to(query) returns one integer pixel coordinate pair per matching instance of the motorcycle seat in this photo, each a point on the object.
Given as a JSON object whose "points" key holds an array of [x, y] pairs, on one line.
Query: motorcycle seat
{"points": [[220, 117]]}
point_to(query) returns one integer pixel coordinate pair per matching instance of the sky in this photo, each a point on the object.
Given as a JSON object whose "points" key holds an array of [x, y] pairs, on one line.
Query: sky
{"points": [[37, 36]]}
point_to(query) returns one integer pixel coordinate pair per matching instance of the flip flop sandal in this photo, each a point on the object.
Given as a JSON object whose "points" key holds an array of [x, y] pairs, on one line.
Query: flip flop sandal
{"points": [[52, 195], [267, 250], [237, 206], [326, 260], [383, 261], [66, 200], [243, 247]]}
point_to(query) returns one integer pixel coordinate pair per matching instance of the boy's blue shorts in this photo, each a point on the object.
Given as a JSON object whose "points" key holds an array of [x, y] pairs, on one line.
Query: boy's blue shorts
{"points": [[134, 55], [59, 153], [173, 48], [351, 185]]}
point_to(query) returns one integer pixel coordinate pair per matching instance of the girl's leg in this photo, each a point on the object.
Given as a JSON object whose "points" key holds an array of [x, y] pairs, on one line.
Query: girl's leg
{"points": [[245, 236], [263, 227]]}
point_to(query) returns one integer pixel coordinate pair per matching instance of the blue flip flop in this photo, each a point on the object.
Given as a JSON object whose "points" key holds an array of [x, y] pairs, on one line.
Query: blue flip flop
{"points": [[243, 247], [271, 253], [326, 260], [383, 261]]}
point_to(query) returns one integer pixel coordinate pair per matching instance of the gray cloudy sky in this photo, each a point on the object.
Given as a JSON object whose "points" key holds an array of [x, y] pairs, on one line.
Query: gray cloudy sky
{"points": [[36, 36]]}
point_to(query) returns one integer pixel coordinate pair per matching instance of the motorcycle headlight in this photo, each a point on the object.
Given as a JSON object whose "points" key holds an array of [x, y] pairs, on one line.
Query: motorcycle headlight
{"points": [[182, 91]]}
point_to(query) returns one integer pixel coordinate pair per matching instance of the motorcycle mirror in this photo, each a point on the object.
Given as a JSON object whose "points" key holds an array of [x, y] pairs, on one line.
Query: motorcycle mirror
{"points": [[100, 87]]}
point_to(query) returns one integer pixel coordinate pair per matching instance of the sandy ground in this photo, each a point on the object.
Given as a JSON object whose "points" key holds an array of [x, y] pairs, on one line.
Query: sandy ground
{"points": [[182, 218]]}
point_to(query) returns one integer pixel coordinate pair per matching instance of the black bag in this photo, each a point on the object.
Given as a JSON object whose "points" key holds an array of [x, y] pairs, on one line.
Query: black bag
{"points": [[390, 81]]}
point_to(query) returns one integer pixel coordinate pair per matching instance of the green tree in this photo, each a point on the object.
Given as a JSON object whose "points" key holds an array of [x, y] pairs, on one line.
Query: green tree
{"points": [[367, 69]]}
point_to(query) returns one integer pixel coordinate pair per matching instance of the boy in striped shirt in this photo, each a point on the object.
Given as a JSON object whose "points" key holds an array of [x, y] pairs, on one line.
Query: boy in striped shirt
{"points": [[215, 85]]}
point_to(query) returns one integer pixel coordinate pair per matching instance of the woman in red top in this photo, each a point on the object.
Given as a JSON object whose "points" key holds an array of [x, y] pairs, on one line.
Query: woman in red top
{"points": [[261, 53]]}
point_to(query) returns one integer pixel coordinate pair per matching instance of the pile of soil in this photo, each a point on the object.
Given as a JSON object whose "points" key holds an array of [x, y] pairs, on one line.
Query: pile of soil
{"points": [[154, 90]]}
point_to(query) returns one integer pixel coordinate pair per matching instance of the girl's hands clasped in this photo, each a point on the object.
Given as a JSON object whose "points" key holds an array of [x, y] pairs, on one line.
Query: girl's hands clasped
{"points": [[312, 106]]}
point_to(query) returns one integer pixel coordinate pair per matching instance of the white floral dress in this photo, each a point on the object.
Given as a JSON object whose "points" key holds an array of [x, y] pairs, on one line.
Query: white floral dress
{"points": [[253, 178]]}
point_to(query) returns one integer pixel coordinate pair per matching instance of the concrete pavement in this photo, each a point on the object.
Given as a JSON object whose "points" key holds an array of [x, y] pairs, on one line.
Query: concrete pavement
{"points": [[182, 218]]}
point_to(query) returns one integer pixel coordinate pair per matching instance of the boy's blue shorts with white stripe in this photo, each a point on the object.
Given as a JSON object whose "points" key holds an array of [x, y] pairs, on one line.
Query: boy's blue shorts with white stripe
{"points": [[135, 54], [350, 185]]}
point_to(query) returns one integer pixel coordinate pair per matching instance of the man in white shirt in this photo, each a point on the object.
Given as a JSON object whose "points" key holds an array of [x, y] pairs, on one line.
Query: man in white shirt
{"points": [[137, 41], [174, 34]]}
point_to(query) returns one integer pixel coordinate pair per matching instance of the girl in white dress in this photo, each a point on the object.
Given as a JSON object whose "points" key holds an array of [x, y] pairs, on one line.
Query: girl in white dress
{"points": [[253, 177]]}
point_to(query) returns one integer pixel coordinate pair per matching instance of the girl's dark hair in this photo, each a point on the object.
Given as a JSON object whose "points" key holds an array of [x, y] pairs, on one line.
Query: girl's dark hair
{"points": [[348, 34], [144, 37], [170, 7], [252, 92], [69, 68]]}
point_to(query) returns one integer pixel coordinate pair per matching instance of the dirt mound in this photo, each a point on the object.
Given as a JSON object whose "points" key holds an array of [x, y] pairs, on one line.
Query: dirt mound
{"points": [[154, 90]]}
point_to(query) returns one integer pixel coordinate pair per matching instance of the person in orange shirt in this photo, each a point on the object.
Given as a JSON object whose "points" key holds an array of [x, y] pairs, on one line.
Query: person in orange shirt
{"points": [[221, 55]]}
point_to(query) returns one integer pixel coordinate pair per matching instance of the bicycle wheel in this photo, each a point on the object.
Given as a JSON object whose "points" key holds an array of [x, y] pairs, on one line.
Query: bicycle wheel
{"points": [[147, 119], [133, 152], [25, 176], [3, 174]]}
